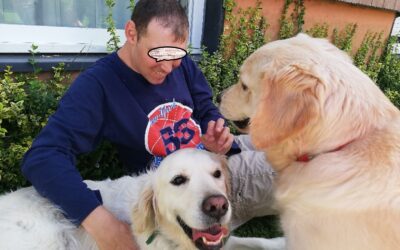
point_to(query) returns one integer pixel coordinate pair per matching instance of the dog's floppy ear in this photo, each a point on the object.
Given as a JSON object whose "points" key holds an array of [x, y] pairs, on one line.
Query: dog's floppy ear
{"points": [[290, 102], [144, 213]]}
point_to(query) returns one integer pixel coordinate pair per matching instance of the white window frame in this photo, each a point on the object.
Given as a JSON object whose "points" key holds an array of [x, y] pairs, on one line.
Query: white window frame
{"points": [[50, 39], [396, 27], [196, 20], [396, 32]]}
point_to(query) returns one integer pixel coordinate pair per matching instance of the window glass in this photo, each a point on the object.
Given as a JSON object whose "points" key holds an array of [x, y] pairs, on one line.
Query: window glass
{"points": [[396, 27], [64, 13], [70, 26]]}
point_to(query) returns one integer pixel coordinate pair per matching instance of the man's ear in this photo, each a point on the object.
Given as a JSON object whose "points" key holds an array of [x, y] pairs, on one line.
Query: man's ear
{"points": [[131, 32], [144, 213], [290, 104]]}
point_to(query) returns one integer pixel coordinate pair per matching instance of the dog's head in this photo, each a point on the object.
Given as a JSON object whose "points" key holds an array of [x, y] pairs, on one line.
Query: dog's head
{"points": [[187, 200], [303, 95]]}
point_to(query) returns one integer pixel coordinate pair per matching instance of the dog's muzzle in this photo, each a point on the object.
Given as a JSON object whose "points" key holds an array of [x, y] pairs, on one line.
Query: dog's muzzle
{"points": [[214, 207]]}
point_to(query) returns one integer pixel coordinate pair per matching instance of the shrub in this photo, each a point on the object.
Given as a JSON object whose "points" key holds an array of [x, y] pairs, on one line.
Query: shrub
{"points": [[367, 57], [389, 75], [344, 39], [319, 30], [244, 33], [290, 26], [25, 104]]}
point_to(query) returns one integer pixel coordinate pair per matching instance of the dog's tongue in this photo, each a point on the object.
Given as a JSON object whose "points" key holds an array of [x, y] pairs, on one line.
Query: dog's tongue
{"points": [[211, 234]]}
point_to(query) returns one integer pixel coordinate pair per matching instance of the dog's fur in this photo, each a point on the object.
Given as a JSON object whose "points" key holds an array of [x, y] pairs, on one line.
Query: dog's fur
{"points": [[333, 138], [152, 201]]}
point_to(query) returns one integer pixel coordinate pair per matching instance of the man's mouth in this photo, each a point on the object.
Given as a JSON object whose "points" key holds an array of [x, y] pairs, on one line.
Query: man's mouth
{"points": [[160, 74], [207, 239]]}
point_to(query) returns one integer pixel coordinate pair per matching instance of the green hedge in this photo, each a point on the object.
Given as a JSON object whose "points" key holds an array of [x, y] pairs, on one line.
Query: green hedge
{"points": [[25, 104]]}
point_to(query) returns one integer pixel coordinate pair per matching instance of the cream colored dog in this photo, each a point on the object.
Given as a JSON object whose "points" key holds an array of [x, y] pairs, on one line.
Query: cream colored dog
{"points": [[183, 205], [333, 138]]}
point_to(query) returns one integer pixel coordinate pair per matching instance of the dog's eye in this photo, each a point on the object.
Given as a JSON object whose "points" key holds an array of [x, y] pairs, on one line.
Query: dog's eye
{"points": [[244, 87], [178, 180], [217, 174]]}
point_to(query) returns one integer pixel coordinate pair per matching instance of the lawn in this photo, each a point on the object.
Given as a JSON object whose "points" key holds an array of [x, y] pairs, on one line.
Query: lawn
{"points": [[267, 227]]}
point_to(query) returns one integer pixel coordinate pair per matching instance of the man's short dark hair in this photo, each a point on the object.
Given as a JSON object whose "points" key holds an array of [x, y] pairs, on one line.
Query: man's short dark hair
{"points": [[168, 13]]}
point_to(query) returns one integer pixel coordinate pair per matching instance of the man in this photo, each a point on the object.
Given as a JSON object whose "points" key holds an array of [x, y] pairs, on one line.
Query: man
{"points": [[148, 108]]}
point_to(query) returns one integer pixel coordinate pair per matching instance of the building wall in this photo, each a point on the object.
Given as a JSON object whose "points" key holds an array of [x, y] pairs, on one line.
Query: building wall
{"points": [[336, 14]]}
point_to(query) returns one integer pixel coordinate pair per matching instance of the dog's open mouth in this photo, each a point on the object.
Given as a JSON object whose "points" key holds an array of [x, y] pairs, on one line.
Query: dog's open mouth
{"points": [[208, 239], [242, 124]]}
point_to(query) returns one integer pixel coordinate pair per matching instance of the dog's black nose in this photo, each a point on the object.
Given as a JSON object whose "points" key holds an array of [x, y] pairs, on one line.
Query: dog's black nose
{"points": [[215, 206]]}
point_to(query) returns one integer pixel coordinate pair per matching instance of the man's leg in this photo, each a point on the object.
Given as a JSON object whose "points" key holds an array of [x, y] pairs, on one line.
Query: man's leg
{"points": [[244, 143], [252, 184]]}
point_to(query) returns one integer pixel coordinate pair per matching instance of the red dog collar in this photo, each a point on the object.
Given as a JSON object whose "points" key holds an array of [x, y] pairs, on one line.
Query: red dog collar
{"points": [[308, 157]]}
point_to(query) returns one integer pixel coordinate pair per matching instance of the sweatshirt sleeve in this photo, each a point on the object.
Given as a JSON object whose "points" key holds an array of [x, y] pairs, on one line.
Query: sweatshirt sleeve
{"points": [[204, 108], [73, 129]]}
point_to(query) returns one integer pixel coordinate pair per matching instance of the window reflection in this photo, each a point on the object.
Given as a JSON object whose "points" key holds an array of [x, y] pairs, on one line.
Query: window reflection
{"points": [[65, 13]]}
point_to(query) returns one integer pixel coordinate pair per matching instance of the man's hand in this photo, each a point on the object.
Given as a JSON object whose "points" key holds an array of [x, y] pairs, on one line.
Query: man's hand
{"points": [[109, 232], [218, 139]]}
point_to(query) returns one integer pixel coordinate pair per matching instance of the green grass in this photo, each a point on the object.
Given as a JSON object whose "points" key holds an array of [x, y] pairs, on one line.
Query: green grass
{"points": [[266, 227]]}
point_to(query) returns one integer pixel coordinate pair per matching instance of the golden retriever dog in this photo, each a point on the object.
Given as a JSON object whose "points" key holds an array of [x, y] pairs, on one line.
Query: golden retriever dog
{"points": [[182, 205], [333, 138]]}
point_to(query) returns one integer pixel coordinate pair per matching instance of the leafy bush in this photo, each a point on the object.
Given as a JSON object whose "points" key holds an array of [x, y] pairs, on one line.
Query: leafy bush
{"points": [[290, 26], [243, 34], [344, 39], [319, 31], [25, 104], [367, 57], [389, 75]]}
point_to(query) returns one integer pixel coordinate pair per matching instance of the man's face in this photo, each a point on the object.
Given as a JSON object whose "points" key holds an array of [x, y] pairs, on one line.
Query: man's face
{"points": [[155, 36]]}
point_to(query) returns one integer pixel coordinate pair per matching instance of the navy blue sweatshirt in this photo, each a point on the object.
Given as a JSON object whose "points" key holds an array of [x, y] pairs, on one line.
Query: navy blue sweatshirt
{"points": [[110, 101]]}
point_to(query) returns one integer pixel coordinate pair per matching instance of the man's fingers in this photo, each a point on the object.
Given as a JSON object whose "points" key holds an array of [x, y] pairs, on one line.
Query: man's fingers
{"points": [[218, 138], [228, 144], [219, 125], [224, 136], [210, 128]]}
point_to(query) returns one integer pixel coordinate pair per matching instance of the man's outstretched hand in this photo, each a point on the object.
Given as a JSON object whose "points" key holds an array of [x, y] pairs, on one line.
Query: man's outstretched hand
{"points": [[217, 139]]}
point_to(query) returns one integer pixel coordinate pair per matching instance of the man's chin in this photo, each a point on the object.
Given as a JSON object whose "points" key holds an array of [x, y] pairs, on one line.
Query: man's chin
{"points": [[156, 81]]}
